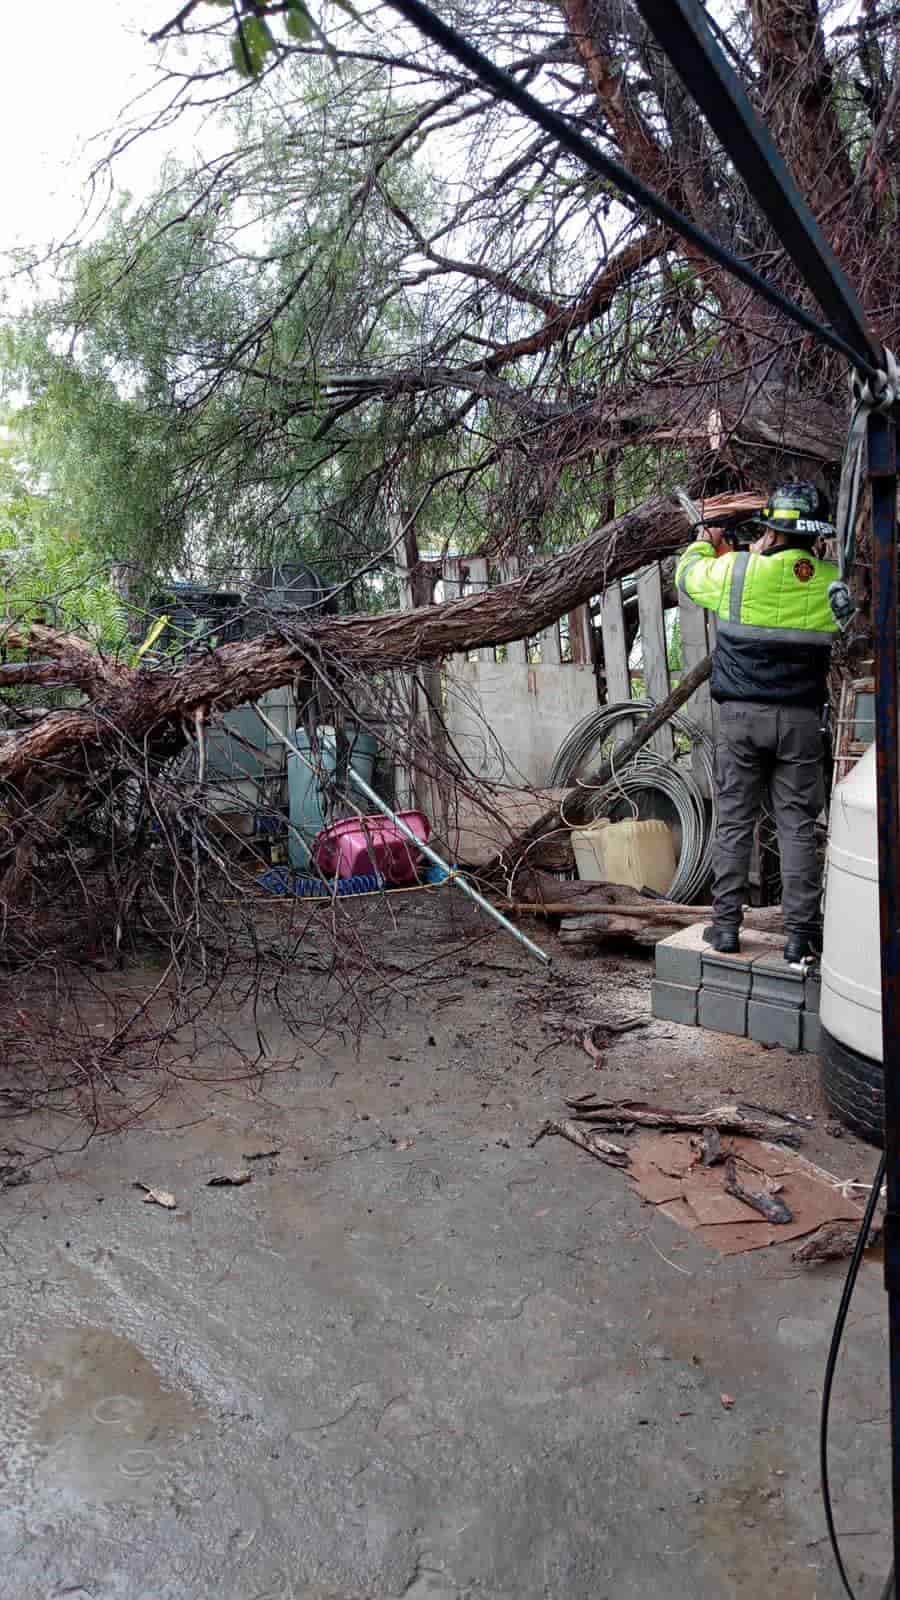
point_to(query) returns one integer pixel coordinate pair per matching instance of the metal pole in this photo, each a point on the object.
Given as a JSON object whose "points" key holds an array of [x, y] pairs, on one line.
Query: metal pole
{"points": [[432, 855], [882, 451], [426, 849]]}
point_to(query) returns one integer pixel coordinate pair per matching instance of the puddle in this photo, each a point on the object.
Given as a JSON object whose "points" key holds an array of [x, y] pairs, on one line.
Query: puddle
{"points": [[104, 1426]]}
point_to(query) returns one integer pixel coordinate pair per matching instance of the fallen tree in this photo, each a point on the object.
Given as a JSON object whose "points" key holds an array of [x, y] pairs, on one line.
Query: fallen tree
{"points": [[142, 704]]}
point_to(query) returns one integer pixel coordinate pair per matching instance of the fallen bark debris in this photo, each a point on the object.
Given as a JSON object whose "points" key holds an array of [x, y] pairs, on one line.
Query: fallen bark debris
{"points": [[229, 1180], [609, 912], [710, 1145], [834, 1241], [793, 1201], [768, 1205], [11, 1177], [603, 1030], [540, 894], [735, 1118], [156, 1197], [666, 1173], [612, 1154], [592, 1049], [587, 932]]}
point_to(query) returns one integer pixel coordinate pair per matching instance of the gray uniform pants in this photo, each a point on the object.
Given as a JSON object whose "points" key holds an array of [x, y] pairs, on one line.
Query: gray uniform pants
{"points": [[780, 746]]}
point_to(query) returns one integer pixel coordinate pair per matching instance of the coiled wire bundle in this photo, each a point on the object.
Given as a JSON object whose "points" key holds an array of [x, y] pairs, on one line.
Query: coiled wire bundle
{"points": [[583, 750]]}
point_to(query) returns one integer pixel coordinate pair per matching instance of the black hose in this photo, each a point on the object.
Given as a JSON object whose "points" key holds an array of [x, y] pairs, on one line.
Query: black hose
{"points": [[834, 1350]]}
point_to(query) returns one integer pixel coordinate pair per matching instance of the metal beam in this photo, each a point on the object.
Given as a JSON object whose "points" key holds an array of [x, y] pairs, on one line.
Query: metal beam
{"points": [[504, 87], [681, 29]]}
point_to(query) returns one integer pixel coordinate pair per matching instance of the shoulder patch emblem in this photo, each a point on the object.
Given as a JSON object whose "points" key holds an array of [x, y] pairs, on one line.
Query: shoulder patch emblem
{"points": [[804, 570]]}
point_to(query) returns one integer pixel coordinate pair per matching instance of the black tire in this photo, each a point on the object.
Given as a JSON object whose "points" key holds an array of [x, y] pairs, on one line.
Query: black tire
{"points": [[854, 1088]]}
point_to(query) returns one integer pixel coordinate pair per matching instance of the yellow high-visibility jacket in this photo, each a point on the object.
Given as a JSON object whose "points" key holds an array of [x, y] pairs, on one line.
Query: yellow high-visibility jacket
{"points": [[774, 625]]}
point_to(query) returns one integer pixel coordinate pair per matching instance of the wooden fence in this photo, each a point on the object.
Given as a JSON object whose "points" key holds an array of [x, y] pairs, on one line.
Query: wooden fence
{"points": [[510, 707]]}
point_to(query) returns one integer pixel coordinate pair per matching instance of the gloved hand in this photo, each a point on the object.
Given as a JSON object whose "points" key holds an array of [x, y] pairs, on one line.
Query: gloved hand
{"points": [[766, 542], [718, 538]]}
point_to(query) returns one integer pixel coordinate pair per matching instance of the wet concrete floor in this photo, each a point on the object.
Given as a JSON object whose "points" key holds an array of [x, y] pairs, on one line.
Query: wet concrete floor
{"points": [[413, 1356]]}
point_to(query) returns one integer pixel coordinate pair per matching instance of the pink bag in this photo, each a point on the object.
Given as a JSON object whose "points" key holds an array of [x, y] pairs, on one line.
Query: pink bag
{"points": [[371, 845]]}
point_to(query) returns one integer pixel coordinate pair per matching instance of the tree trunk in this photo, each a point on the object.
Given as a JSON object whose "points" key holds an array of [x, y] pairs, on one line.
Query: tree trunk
{"points": [[139, 704]]}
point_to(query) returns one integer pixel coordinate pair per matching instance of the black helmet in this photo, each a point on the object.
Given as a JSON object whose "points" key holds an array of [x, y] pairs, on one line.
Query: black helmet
{"points": [[798, 509]]}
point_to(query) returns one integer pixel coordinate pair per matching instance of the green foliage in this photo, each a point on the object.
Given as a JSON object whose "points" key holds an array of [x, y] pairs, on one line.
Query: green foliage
{"points": [[47, 573], [177, 408], [256, 38], [674, 642], [252, 42], [298, 22], [185, 405]]}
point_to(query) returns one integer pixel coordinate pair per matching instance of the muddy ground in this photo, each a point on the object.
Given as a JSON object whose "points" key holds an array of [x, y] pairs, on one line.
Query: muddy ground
{"points": [[415, 1356]]}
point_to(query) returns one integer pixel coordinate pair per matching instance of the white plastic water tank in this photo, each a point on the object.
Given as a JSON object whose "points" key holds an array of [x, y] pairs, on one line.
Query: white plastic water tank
{"points": [[851, 949]]}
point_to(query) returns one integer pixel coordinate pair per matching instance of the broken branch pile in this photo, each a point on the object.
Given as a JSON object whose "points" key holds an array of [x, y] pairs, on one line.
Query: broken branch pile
{"points": [[750, 1122], [749, 1193]]}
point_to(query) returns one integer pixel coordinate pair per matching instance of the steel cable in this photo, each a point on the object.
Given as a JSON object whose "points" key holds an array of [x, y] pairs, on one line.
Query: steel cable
{"points": [[649, 773]]}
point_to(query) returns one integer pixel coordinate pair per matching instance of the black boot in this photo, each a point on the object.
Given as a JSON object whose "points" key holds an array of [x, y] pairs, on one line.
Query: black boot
{"points": [[801, 949], [723, 937]]}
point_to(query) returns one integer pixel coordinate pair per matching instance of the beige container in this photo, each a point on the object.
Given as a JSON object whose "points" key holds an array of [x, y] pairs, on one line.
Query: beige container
{"points": [[641, 854]]}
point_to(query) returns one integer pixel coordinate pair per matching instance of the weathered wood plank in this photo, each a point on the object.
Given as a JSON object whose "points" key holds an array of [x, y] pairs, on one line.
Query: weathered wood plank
{"points": [[517, 649], [550, 651], [581, 636], [615, 652], [451, 577], [478, 583], [695, 644], [653, 650]]}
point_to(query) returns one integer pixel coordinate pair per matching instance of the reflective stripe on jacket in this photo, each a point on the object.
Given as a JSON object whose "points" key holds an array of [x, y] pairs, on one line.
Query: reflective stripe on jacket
{"points": [[774, 625]]}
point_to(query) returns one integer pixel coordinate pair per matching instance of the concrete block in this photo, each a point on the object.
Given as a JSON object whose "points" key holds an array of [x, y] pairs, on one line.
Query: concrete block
{"points": [[722, 1012], [731, 974], [674, 1002], [679, 958], [774, 1024], [775, 983], [810, 1032]]}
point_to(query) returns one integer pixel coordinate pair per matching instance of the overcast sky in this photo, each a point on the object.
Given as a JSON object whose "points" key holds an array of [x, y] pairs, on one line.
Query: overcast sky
{"points": [[63, 84]]}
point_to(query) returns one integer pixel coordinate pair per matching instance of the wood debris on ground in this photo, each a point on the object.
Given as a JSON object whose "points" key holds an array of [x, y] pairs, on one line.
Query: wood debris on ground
{"points": [[737, 1184], [13, 1173], [595, 1034], [230, 1180], [834, 1241], [769, 1204], [612, 1154], [592, 912], [710, 1147], [156, 1197], [751, 1122]]}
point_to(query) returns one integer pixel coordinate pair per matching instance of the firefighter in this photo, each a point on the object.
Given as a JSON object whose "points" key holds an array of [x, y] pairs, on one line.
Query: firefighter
{"points": [[774, 630]]}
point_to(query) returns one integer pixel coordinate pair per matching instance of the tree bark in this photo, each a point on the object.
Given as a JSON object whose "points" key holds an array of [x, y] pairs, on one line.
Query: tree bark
{"points": [[799, 105], [140, 704]]}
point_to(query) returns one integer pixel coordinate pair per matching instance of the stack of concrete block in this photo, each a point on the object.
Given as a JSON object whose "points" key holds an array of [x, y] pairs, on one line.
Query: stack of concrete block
{"points": [[754, 994]]}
